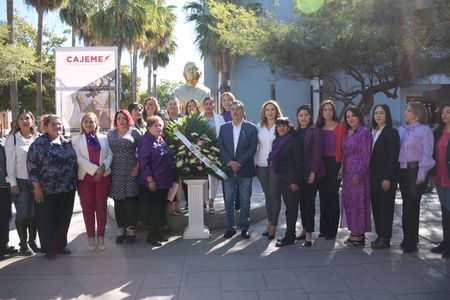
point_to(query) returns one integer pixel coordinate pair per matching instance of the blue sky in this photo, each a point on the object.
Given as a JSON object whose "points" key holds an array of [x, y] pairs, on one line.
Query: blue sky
{"points": [[184, 34]]}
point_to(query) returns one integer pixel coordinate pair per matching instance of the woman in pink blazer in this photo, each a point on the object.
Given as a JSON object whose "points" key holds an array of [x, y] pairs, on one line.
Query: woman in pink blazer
{"points": [[94, 159]]}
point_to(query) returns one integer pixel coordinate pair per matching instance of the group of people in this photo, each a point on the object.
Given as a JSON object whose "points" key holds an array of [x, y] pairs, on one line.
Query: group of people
{"points": [[356, 171], [132, 164]]}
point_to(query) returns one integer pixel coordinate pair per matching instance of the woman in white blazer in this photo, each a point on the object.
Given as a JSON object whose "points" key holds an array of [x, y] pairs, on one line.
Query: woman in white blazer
{"points": [[94, 159], [214, 122]]}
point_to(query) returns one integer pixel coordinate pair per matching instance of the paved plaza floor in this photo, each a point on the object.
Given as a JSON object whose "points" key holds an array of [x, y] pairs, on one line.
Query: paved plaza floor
{"points": [[234, 269]]}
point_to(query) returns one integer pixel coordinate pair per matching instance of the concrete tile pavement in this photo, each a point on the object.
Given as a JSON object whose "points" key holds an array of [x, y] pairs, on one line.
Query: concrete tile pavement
{"points": [[234, 269]]}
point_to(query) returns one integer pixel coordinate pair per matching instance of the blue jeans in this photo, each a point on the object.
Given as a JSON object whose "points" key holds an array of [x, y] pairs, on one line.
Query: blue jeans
{"points": [[245, 191], [24, 201]]}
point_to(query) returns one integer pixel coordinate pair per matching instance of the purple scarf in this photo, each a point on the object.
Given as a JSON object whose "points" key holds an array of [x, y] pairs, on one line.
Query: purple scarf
{"points": [[277, 144], [92, 140]]}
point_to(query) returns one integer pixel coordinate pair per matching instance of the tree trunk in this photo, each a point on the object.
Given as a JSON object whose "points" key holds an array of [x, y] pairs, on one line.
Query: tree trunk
{"points": [[39, 107], [14, 101], [134, 77], [150, 72], [73, 36], [119, 77]]}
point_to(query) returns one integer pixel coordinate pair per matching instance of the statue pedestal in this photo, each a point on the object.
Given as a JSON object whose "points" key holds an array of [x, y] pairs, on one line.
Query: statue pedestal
{"points": [[197, 192]]}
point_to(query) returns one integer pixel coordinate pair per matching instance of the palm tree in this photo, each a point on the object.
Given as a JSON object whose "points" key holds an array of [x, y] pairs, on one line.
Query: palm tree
{"points": [[76, 14], [118, 23], [158, 44], [13, 84], [41, 6], [208, 41]]}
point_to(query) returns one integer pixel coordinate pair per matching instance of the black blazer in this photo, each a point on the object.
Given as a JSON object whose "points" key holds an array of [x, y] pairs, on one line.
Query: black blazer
{"points": [[384, 163], [437, 135], [290, 162]]}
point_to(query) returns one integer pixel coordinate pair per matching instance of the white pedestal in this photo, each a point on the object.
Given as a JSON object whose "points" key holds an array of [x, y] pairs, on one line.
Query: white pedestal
{"points": [[197, 192]]}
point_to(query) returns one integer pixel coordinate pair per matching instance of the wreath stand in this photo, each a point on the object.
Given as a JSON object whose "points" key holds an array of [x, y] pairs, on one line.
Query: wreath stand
{"points": [[197, 192]]}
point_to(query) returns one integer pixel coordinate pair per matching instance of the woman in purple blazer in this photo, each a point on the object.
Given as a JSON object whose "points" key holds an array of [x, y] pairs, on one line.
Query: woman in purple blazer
{"points": [[311, 140], [155, 178]]}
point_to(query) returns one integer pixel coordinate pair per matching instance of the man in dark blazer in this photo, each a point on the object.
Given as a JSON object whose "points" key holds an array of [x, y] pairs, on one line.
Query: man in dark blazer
{"points": [[238, 141]]}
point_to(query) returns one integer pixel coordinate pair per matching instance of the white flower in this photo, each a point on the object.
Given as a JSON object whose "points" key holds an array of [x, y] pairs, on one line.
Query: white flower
{"points": [[192, 161], [179, 164], [194, 134], [200, 168]]}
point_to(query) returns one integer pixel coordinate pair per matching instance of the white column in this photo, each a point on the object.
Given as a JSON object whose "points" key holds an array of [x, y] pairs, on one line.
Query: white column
{"points": [[315, 85], [197, 192]]}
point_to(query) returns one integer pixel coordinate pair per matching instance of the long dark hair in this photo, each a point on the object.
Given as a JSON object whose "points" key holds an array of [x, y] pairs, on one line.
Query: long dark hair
{"points": [[441, 126], [136, 105], [320, 120], [387, 111], [306, 107], [356, 112], [16, 121]]}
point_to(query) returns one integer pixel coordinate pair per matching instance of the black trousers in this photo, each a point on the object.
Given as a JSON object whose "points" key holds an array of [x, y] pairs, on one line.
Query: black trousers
{"points": [[383, 204], [5, 218], [307, 204], [411, 195], [329, 197], [53, 217], [154, 206], [126, 211], [291, 201]]}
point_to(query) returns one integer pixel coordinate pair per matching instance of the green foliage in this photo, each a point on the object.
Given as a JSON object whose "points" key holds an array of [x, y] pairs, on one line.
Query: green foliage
{"points": [[25, 36], [358, 47], [195, 128], [126, 86], [165, 90], [18, 61]]}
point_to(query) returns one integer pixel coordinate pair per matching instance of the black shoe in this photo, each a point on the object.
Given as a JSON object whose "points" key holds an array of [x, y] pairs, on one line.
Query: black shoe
{"points": [[322, 234], [409, 249], [446, 254], [64, 251], [229, 233], [131, 239], [265, 233], [25, 251], [284, 242], [50, 255], [271, 237], [301, 237], [330, 237], [307, 243], [120, 239], [160, 237], [34, 247], [9, 250], [381, 243], [245, 234], [154, 242], [439, 248]]}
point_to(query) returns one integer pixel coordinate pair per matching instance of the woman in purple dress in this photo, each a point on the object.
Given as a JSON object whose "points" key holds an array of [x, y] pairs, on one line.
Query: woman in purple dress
{"points": [[355, 175]]}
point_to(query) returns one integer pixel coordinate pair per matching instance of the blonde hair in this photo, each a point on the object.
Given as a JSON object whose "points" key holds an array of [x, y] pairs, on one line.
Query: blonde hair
{"points": [[419, 110], [229, 94], [263, 118], [155, 101], [93, 117]]}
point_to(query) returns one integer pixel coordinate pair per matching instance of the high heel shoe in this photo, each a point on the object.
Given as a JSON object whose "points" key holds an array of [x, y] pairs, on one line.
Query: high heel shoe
{"points": [[131, 235], [381, 243], [91, 244], [101, 243], [307, 243], [356, 240]]}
